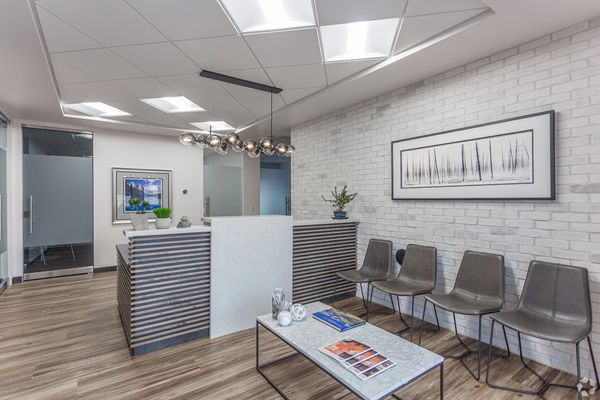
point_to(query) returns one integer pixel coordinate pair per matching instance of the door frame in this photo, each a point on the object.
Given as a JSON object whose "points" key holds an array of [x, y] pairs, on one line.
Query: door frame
{"points": [[65, 271]]}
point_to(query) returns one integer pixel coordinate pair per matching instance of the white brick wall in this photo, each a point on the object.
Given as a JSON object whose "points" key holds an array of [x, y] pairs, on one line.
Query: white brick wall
{"points": [[559, 71]]}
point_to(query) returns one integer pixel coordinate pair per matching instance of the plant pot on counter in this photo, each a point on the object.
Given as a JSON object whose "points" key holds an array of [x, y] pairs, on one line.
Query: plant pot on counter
{"points": [[163, 223], [339, 214], [139, 221]]}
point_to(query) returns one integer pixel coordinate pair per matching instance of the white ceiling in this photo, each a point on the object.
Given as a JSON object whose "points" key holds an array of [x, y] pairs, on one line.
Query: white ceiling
{"points": [[118, 51]]}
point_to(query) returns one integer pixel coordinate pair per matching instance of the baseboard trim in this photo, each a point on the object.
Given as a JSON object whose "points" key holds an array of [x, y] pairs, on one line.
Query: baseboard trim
{"points": [[105, 269], [17, 279]]}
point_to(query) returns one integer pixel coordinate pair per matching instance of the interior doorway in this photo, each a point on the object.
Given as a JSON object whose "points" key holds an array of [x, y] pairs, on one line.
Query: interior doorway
{"points": [[58, 203]]}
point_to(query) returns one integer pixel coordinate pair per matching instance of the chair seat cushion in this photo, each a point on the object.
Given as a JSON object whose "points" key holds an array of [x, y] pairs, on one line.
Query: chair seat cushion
{"points": [[402, 288], [461, 304], [543, 327], [360, 277]]}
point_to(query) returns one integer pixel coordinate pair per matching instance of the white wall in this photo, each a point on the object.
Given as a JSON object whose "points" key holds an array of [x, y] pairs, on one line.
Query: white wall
{"points": [[111, 149], [132, 150], [559, 71]]}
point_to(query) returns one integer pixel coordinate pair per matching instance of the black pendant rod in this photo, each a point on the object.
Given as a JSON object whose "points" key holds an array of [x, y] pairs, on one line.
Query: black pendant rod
{"points": [[240, 82]]}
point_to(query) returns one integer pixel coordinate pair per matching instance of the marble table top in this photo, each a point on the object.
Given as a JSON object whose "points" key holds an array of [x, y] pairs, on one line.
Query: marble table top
{"points": [[306, 336]]}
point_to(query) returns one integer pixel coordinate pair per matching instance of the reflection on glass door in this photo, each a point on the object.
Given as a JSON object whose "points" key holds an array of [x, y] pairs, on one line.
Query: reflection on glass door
{"points": [[58, 208], [3, 207]]}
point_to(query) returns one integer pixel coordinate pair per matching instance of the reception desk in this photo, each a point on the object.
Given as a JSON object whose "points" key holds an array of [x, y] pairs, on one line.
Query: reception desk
{"points": [[176, 285]]}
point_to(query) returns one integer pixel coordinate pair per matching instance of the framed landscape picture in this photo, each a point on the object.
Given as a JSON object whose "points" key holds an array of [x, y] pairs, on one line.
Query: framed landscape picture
{"points": [[150, 186], [508, 159]]}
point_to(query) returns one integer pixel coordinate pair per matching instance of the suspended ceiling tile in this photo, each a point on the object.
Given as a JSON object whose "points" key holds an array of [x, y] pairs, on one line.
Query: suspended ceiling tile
{"points": [[109, 22], [330, 12], [294, 47], [298, 76], [415, 30], [136, 107], [292, 95], [341, 70], [98, 91], [144, 88], [219, 54], [60, 36], [186, 19], [66, 74], [101, 64], [423, 7], [229, 110], [158, 59], [192, 84], [68, 96]]}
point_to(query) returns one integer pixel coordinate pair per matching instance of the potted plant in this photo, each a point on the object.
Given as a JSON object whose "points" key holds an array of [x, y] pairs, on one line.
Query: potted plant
{"points": [[163, 217], [139, 220], [339, 201]]}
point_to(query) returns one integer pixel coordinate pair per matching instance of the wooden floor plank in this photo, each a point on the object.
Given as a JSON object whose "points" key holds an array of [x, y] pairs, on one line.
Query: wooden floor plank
{"points": [[62, 339]]}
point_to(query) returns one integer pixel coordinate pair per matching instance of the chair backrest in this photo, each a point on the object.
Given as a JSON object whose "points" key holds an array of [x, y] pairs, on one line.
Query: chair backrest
{"points": [[419, 265], [557, 291], [481, 275], [378, 258]]}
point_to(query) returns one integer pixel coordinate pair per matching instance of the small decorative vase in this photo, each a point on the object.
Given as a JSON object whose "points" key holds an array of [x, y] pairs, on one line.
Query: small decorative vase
{"points": [[184, 222], [139, 221], [284, 318], [339, 214], [298, 312], [163, 223], [277, 302]]}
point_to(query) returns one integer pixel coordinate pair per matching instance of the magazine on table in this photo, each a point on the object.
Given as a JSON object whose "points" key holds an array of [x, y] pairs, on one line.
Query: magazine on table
{"points": [[338, 320], [364, 361]]}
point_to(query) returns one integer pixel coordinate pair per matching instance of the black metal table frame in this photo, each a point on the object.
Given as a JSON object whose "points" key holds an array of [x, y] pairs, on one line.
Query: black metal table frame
{"points": [[260, 367]]}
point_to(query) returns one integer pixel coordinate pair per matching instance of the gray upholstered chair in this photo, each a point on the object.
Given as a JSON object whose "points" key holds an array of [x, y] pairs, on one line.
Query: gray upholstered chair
{"points": [[555, 305], [478, 291], [416, 277], [377, 266]]}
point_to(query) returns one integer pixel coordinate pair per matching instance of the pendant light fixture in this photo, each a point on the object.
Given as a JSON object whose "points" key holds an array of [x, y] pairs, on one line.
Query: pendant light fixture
{"points": [[232, 140]]}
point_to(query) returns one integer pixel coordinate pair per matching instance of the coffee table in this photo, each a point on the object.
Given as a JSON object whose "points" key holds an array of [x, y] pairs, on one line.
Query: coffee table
{"points": [[307, 336]]}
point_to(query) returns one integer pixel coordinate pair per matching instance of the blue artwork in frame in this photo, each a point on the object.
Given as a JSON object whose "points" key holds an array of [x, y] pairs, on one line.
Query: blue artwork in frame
{"points": [[149, 190], [147, 185]]}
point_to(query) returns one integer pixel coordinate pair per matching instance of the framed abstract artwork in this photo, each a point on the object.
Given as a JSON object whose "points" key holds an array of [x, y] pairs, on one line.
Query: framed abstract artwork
{"points": [[508, 159], [151, 187]]}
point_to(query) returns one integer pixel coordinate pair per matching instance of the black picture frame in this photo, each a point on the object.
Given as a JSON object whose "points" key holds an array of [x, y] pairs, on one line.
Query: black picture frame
{"points": [[549, 174]]}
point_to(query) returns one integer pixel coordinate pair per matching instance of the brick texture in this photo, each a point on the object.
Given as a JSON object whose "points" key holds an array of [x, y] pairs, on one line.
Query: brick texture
{"points": [[560, 71]]}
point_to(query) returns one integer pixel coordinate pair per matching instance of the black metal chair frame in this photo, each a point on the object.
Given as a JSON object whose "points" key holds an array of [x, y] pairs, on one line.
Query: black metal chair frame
{"points": [[408, 327], [468, 350], [545, 383], [362, 295]]}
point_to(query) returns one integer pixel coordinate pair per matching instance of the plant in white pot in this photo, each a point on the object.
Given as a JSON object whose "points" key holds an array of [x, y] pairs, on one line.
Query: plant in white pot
{"points": [[139, 220], [163, 217]]}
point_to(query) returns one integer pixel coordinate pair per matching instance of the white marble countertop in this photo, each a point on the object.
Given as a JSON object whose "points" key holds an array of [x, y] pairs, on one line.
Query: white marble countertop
{"points": [[170, 231], [411, 360], [297, 222]]}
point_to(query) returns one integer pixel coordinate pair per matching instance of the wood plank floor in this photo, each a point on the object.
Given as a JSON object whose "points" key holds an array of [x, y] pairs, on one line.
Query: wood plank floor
{"points": [[62, 339]]}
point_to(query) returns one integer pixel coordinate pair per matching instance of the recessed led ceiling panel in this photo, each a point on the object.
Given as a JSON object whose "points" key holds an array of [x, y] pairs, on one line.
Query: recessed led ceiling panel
{"points": [[270, 15], [172, 105], [358, 40], [218, 126], [96, 109]]}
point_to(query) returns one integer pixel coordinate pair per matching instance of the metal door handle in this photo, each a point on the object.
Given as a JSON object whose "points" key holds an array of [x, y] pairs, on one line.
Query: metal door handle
{"points": [[30, 214]]}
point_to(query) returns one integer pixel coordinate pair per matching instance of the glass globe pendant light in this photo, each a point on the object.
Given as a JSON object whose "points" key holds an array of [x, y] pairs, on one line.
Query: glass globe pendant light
{"points": [[222, 148], [201, 141], [281, 149], [187, 139], [250, 145], [290, 150], [213, 140], [232, 139]]}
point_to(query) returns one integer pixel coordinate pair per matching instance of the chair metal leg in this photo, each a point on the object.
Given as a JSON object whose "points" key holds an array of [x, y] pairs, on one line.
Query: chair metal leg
{"points": [[468, 350], [593, 360], [334, 291], [393, 306], [578, 368], [545, 384], [505, 340], [423, 320], [369, 298]]}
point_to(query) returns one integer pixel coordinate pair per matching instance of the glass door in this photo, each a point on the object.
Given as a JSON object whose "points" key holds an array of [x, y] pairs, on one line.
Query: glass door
{"points": [[58, 205], [3, 207]]}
